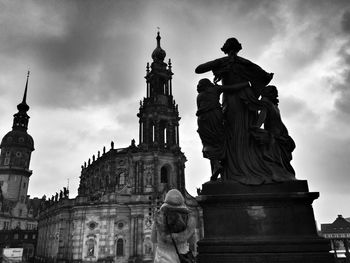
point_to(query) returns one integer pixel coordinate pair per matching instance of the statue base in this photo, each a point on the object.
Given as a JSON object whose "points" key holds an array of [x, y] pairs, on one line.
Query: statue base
{"points": [[269, 223]]}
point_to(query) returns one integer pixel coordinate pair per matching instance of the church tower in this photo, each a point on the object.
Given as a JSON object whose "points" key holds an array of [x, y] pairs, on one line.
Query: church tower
{"points": [[121, 189], [159, 116], [16, 149]]}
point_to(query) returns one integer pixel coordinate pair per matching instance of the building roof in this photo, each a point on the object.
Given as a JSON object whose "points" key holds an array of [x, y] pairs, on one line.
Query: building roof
{"points": [[340, 225]]}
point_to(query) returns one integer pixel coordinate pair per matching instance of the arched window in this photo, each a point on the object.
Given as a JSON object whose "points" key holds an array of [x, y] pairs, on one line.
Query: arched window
{"points": [[164, 175], [122, 178], [120, 247], [90, 248], [148, 246]]}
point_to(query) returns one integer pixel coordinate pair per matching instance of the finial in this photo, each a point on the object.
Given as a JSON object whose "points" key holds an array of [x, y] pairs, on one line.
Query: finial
{"points": [[112, 144], [89, 161], [84, 164], [93, 157], [104, 149], [158, 37], [98, 154], [169, 64], [147, 68]]}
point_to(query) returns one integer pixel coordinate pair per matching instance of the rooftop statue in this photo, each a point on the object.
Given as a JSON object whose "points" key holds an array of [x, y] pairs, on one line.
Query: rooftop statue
{"points": [[232, 139]]}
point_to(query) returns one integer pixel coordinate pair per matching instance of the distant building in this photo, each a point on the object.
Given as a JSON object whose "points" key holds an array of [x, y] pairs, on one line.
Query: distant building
{"points": [[338, 233], [120, 189], [18, 213]]}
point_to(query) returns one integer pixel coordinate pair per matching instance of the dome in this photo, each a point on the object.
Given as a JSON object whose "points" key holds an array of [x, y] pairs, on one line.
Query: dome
{"points": [[18, 139], [158, 54]]}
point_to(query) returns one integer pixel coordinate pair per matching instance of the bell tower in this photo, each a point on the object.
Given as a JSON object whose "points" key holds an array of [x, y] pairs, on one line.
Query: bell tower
{"points": [[158, 114], [16, 149]]}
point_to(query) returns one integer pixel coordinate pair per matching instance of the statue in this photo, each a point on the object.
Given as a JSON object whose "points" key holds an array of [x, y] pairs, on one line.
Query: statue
{"points": [[174, 220], [210, 122], [244, 159], [65, 192], [274, 138], [56, 197], [61, 194]]}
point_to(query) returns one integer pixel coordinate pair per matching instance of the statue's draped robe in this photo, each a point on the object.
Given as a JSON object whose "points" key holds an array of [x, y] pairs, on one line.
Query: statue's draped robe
{"points": [[278, 152], [210, 123], [244, 160]]}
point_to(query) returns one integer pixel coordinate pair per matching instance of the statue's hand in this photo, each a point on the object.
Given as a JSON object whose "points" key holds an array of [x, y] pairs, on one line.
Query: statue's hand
{"points": [[217, 79]]}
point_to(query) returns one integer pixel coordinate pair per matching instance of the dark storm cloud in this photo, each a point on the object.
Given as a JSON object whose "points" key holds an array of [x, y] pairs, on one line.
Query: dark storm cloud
{"points": [[346, 22], [342, 87], [84, 52]]}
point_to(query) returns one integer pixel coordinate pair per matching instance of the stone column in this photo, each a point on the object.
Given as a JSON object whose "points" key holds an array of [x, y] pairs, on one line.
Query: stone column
{"points": [[347, 254], [333, 241]]}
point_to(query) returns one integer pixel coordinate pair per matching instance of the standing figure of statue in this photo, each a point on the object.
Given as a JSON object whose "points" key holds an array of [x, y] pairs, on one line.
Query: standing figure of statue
{"points": [[244, 158], [174, 221], [210, 122]]}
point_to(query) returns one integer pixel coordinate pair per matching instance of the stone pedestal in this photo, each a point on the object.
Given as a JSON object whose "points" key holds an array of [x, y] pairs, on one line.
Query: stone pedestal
{"points": [[260, 224]]}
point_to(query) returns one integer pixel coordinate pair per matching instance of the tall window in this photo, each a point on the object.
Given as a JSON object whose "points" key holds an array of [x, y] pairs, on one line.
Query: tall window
{"points": [[91, 248], [122, 178], [165, 136], [120, 247], [6, 225], [164, 175]]}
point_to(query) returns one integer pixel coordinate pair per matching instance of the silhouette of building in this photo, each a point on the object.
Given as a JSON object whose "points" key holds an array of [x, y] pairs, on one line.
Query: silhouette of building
{"points": [[120, 189], [18, 213], [338, 233]]}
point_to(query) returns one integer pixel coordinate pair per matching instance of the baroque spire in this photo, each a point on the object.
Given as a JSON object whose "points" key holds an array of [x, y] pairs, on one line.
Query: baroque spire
{"points": [[23, 105], [20, 120]]}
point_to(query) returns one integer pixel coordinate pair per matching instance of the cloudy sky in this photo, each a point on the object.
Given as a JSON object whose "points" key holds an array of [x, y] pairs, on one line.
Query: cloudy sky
{"points": [[87, 61]]}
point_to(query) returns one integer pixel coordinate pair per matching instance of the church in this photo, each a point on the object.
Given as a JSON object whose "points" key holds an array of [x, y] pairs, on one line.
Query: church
{"points": [[121, 188]]}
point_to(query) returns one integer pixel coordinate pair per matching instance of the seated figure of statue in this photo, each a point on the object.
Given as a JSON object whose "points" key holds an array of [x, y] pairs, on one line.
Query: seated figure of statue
{"points": [[274, 138]]}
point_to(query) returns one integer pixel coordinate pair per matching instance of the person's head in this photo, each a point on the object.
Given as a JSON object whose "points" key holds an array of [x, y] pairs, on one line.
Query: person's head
{"points": [[271, 93], [231, 46], [175, 211], [203, 84]]}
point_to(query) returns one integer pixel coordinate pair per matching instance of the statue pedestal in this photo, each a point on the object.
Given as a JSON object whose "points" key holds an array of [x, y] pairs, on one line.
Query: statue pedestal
{"points": [[261, 224]]}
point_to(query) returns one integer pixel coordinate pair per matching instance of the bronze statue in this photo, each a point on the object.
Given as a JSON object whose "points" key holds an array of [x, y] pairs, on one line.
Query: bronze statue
{"points": [[244, 158], [278, 146], [210, 122]]}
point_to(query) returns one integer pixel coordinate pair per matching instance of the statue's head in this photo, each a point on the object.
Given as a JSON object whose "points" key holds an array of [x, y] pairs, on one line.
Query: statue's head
{"points": [[271, 93], [231, 45], [203, 84]]}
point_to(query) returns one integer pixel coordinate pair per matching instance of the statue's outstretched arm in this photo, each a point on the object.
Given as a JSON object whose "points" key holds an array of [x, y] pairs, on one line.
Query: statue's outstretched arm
{"points": [[234, 87], [208, 66]]}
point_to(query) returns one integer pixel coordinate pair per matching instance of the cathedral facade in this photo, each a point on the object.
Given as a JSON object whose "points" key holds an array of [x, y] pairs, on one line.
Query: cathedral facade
{"points": [[121, 188]]}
